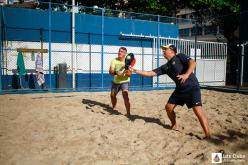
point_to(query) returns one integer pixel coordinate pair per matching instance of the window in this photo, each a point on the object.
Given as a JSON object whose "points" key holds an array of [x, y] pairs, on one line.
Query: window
{"points": [[199, 31], [184, 32]]}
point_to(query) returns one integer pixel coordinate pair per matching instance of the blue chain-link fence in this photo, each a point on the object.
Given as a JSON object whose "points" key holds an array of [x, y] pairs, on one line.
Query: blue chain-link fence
{"points": [[81, 44]]}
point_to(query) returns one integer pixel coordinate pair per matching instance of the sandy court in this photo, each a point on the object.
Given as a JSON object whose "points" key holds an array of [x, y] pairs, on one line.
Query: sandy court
{"points": [[81, 128]]}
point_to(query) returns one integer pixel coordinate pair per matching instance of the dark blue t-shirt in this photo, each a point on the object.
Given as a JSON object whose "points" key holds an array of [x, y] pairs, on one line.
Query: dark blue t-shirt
{"points": [[178, 65]]}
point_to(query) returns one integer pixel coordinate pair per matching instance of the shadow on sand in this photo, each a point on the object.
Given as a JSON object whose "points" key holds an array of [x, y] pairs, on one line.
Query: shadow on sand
{"points": [[230, 136], [107, 108]]}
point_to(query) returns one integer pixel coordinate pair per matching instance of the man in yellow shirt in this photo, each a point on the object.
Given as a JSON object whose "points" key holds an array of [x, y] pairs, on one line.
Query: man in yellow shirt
{"points": [[120, 81]]}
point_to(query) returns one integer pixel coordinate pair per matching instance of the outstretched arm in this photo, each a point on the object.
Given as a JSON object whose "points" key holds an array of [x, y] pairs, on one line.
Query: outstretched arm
{"points": [[144, 73]]}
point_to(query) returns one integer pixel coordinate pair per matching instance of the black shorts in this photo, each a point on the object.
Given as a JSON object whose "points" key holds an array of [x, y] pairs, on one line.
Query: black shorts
{"points": [[190, 97]]}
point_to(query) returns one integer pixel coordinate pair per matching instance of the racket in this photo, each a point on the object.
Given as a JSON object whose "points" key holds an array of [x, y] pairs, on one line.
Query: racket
{"points": [[129, 61]]}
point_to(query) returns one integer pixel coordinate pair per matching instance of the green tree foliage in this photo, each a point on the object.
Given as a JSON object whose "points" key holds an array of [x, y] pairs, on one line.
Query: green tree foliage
{"points": [[226, 14], [218, 5], [221, 12]]}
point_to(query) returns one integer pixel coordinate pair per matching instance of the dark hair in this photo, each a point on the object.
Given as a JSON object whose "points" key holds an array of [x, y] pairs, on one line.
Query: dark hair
{"points": [[123, 48]]}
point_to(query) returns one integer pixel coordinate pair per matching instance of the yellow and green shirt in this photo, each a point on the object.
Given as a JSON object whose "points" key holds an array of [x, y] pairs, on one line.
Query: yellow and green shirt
{"points": [[116, 64]]}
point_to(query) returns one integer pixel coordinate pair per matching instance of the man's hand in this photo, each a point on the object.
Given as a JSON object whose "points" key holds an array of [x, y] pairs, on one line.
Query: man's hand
{"points": [[183, 77], [119, 73], [132, 69]]}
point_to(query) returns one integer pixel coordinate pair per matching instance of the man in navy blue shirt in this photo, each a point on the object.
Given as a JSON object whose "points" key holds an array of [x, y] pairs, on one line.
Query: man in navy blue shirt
{"points": [[180, 69]]}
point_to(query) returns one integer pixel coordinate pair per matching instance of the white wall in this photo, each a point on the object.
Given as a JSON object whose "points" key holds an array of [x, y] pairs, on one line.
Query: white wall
{"points": [[61, 53], [209, 71]]}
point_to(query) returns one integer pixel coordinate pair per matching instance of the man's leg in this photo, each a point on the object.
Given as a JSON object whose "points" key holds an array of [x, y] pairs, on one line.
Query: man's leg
{"points": [[113, 99], [126, 101], [114, 91], [203, 119], [171, 114]]}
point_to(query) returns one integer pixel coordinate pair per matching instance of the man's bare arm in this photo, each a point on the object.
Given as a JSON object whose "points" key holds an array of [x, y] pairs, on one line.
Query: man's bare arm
{"points": [[144, 73]]}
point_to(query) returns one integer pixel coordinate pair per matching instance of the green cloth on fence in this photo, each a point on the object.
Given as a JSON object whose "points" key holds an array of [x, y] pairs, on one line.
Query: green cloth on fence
{"points": [[20, 64]]}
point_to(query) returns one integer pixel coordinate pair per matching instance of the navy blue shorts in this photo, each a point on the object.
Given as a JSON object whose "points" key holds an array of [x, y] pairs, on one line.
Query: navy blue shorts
{"points": [[117, 87], [191, 98]]}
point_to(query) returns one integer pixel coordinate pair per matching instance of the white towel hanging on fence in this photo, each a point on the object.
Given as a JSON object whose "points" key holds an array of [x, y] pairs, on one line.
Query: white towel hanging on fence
{"points": [[39, 69]]}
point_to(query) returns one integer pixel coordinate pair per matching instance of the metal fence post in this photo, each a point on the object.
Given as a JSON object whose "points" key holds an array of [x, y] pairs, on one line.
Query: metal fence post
{"points": [[50, 40], [73, 54], [239, 55], [158, 47], [195, 43], [242, 63], [1, 44], [90, 77], [1, 66], [102, 47], [142, 53], [3, 47]]}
